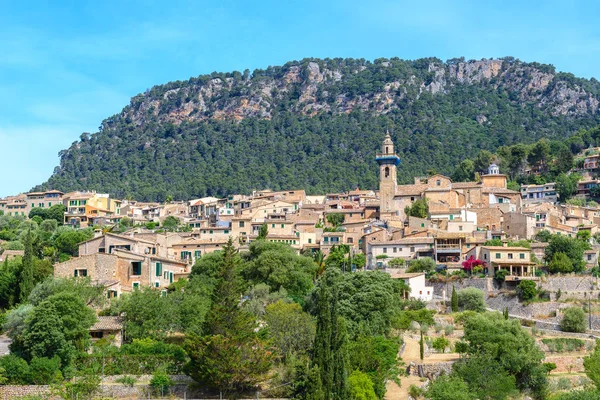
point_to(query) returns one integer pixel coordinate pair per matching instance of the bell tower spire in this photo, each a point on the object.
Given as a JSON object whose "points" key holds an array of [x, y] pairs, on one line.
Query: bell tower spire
{"points": [[388, 160]]}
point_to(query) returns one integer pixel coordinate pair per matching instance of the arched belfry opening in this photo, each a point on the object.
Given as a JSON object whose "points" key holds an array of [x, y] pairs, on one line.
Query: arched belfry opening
{"points": [[387, 172]]}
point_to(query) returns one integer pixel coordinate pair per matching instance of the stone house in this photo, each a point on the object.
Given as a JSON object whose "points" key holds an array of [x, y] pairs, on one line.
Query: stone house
{"points": [[110, 328], [516, 261], [406, 249], [519, 226], [109, 242], [123, 270]]}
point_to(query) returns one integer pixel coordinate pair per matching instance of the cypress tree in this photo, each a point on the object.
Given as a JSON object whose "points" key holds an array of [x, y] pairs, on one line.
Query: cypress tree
{"points": [[26, 282], [421, 347], [322, 356], [454, 300], [330, 353]]}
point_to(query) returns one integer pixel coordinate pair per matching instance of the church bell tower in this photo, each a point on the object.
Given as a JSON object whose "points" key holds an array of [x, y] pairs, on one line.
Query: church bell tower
{"points": [[387, 160]]}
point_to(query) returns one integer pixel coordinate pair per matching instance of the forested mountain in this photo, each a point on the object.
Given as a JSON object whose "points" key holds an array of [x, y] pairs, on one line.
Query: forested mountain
{"points": [[316, 124]]}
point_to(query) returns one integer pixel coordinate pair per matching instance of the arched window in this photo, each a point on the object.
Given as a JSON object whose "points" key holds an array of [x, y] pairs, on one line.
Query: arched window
{"points": [[386, 150], [387, 172]]}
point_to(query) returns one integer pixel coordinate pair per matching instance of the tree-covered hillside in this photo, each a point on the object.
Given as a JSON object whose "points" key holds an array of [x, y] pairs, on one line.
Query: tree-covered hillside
{"points": [[316, 125]]}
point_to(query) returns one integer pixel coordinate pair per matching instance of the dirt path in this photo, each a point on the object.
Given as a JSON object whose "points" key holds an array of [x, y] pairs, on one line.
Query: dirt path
{"points": [[411, 353]]}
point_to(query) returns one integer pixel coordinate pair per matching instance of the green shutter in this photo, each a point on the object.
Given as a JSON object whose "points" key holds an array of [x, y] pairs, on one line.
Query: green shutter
{"points": [[170, 277], [158, 269]]}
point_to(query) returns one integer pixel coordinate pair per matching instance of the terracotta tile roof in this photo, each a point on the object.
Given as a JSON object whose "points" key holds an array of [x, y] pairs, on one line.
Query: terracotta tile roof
{"points": [[108, 324], [408, 190], [404, 275]]}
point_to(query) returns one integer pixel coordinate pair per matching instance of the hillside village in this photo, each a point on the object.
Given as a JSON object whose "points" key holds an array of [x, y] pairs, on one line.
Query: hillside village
{"points": [[435, 235], [373, 227]]}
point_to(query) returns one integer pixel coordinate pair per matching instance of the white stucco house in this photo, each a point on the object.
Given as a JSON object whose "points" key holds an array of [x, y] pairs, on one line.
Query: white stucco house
{"points": [[416, 282]]}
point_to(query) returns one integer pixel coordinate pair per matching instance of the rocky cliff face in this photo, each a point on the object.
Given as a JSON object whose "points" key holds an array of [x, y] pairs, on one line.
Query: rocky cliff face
{"points": [[315, 86]]}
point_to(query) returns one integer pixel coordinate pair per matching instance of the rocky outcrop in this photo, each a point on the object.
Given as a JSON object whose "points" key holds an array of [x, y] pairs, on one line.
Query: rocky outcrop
{"points": [[315, 82]]}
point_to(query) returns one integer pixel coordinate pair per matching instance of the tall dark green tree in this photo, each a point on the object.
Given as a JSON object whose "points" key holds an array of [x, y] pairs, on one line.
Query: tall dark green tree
{"points": [[454, 300], [330, 352], [322, 355], [26, 282], [230, 356]]}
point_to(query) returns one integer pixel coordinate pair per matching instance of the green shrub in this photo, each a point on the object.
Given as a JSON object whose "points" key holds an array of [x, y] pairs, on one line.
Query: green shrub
{"points": [[396, 262], [563, 384], [424, 264], [360, 387], [16, 370], [440, 344], [471, 299], [127, 380], [500, 275], [573, 320], [414, 391], [422, 316], [527, 290], [161, 382], [462, 317], [549, 366], [45, 371]]}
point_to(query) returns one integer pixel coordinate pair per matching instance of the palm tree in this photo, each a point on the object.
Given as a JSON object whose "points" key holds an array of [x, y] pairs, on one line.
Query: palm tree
{"points": [[319, 259]]}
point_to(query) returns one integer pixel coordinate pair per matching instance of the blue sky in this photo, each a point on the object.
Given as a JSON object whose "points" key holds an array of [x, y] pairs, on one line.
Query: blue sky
{"points": [[64, 68]]}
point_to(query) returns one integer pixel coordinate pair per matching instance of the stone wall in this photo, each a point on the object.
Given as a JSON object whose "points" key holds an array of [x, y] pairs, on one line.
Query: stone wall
{"points": [[14, 392], [429, 371]]}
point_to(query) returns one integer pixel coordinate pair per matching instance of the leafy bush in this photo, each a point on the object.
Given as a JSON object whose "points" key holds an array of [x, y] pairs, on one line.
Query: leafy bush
{"points": [[440, 344], [161, 382], [471, 299], [415, 391], [360, 387], [16, 370], [424, 264], [527, 290], [396, 262], [573, 320], [422, 316], [127, 380], [45, 371], [500, 275]]}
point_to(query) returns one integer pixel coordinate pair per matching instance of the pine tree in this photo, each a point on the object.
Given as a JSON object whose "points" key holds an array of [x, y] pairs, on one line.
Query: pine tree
{"points": [[26, 282], [454, 300], [230, 357]]}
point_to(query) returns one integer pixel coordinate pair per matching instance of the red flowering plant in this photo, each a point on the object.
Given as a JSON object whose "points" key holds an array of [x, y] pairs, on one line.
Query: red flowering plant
{"points": [[471, 263]]}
